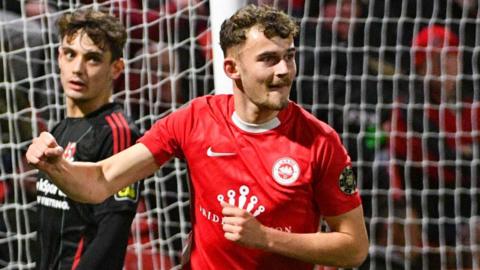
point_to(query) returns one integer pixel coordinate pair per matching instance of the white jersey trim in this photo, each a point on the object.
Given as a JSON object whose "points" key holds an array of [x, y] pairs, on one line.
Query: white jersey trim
{"points": [[255, 128]]}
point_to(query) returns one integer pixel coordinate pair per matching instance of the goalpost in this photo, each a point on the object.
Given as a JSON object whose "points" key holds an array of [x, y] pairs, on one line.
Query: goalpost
{"points": [[352, 80], [219, 11]]}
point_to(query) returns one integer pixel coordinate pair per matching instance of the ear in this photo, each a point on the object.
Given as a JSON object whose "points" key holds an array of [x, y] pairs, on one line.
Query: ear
{"points": [[231, 69], [117, 67]]}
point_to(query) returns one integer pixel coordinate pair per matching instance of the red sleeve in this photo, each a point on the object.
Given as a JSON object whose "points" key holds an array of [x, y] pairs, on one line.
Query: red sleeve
{"points": [[335, 189], [167, 135]]}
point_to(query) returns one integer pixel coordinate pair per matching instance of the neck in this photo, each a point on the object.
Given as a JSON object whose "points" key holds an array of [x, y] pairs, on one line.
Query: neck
{"points": [[251, 113], [254, 128], [77, 108]]}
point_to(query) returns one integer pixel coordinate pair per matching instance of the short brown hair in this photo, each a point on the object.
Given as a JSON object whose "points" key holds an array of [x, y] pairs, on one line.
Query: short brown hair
{"points": [[272, 23], [104, 29]]}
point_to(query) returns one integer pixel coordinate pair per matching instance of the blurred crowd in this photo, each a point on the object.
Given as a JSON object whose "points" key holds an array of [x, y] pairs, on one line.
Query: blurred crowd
{"points": [[398, 80]]}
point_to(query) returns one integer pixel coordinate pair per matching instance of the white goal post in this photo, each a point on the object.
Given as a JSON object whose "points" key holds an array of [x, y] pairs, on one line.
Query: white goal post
{"points": [[219, 11]]}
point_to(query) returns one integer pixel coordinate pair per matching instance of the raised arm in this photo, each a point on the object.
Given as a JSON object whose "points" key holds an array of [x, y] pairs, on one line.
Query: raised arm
{"points": [[86, 181], [345, 246]]}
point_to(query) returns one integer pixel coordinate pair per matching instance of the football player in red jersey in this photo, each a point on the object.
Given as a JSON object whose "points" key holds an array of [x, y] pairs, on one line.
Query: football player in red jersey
{"points": [[263, 171]]}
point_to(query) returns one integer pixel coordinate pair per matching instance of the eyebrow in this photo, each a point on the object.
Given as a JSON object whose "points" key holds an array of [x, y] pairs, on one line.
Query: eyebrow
{"points": [[273, 53], [290, 50], [90, 53]]}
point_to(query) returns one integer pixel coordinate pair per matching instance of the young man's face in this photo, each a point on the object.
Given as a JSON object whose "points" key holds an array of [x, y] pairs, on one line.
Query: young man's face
{"points": [[86, 71], [267, 69], [442, 72]]}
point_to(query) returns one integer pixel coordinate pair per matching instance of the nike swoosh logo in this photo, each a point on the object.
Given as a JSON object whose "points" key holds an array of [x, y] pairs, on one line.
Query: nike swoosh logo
{"points": [[210, 153]]}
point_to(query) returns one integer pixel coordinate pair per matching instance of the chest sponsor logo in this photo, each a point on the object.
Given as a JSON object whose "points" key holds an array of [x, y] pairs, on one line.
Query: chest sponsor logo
{"points": [[50, 195], [241, 199], [211, 153], [69, 153], [47, 188], [285, 171]]}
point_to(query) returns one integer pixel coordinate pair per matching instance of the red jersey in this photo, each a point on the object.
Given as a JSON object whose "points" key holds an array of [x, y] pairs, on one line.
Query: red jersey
{"points": [[458, 126], [287, 173]]}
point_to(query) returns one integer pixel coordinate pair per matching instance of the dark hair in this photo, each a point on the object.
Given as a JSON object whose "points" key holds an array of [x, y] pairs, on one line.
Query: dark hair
{"points": [[105, 30], [272, 23]]}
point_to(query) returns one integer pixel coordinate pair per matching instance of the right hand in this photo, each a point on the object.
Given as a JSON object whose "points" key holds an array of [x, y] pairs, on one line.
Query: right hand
{"points": [[44, 151]]}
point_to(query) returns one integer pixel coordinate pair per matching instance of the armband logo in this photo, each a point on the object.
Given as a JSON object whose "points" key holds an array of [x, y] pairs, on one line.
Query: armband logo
{"points": [[347, 181], [285, 171], [127, 193]]}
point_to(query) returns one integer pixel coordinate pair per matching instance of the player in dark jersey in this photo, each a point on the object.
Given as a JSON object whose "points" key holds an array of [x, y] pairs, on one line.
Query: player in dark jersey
{"points": [[75, 235], [263, 171]]}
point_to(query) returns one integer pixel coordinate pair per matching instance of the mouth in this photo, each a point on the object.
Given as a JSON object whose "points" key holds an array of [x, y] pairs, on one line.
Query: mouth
{"points": [[76, 85], [276, 87]]}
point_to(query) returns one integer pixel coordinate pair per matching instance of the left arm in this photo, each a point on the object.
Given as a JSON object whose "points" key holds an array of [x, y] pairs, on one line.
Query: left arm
{"points": [[345, 246]]}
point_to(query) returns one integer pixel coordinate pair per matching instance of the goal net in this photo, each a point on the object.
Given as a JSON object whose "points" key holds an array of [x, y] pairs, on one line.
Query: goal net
{"points": [[168, 62], [416, 160]]}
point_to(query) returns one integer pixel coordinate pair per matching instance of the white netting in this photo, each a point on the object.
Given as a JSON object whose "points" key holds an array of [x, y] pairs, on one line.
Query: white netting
{"points": [[416, 160], [352, 79]]}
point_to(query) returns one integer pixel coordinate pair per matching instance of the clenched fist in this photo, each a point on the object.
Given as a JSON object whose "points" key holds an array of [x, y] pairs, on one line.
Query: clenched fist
{"points": [[44, 151]]}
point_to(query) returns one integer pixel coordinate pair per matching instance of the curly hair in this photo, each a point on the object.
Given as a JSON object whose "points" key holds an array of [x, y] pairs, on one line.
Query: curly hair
{"points": [[105, 30], [271, 21]]}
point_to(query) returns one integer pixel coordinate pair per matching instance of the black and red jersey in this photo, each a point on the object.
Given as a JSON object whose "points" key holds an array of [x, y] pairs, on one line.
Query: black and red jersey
{"points": [[75, 235]]}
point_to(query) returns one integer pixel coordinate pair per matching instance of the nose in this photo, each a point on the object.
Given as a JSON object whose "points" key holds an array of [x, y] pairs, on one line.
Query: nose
{"points": [[78, 66], [282, 68]]}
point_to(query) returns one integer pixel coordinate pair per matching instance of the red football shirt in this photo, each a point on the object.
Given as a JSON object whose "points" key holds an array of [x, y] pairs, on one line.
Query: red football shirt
{"points": [[287, 173]]}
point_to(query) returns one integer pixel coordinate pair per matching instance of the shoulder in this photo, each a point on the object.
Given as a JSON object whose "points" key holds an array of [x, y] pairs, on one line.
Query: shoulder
{"points": [[112, 122], [318, 135], [211, 101], [108, 113], [58, 128], [205, 107], [304, 119], [111, 115]]}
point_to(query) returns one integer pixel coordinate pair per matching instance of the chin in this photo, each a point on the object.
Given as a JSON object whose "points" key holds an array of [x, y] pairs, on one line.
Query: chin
{"points": [[77, 97], [74, 95], [277, 100], [276, 106]]}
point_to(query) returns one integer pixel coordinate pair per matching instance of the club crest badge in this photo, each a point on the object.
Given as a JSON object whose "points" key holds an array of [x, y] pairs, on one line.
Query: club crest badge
{"points": [[285, 171], [69, 152], [347, 181]]}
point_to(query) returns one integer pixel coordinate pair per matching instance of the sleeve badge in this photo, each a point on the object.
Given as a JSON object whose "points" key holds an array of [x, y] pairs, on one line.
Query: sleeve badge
{"points": [[347, 181], [128, 193]]}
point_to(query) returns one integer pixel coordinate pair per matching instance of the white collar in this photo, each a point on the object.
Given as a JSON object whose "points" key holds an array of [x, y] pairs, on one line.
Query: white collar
{"points": [[255, 128]]}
